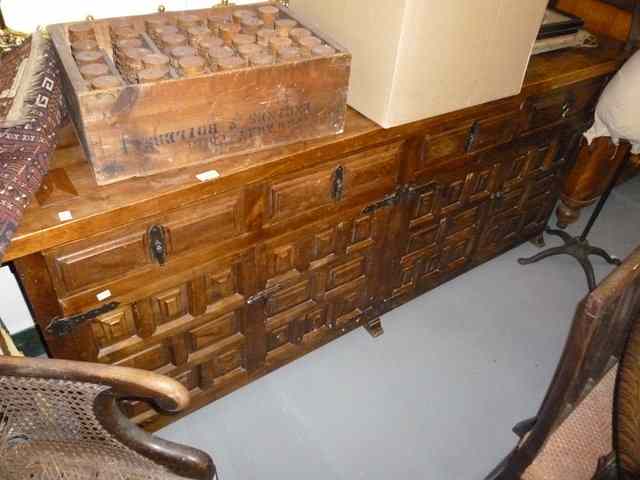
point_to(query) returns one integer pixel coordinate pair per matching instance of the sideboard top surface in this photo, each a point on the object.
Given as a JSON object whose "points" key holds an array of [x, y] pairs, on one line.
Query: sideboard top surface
{"points": [[70, 185]]}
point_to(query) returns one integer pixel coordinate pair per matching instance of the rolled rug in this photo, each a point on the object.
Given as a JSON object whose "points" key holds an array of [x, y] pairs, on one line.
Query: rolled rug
{"points": [[31, 110]]}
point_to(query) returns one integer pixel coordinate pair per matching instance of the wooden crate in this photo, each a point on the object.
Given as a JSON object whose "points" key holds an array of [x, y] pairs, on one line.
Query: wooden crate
{"points": [[139, 129]]}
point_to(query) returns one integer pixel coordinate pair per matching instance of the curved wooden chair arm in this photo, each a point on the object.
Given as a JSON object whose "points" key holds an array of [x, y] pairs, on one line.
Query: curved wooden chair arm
{"points": [[124, 383], [182, 460], [169, 395]]}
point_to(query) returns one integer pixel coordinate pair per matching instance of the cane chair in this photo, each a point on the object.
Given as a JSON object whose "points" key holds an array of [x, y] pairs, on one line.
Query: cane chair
{"points": [[60, 420], [592, 407]]}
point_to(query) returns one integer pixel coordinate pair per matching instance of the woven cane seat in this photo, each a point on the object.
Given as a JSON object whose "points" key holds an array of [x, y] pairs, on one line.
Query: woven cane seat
{"points": [[49, 431]]}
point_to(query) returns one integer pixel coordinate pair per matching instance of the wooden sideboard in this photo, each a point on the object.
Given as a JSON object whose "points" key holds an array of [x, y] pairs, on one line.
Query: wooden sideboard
{"points": [[217, 283]]}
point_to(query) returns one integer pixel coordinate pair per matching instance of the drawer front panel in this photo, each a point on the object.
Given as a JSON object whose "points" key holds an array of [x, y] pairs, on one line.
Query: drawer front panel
{"points": [[558, 105], [90, 262], [372, 172], [470, 139], [205, 224]]}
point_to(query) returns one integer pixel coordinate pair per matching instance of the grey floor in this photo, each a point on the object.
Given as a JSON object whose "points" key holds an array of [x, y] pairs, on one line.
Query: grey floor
{"points": [[433, 398]]}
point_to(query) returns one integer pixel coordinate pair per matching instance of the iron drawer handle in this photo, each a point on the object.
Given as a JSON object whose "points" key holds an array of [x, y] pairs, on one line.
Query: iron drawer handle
{"points": [[337, 189], [473, 136], [158, 244], [569, 105]]}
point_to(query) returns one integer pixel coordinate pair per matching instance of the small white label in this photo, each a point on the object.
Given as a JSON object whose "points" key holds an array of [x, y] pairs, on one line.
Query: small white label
{"points": [[209, 175], [65, 216], [103, 295]]}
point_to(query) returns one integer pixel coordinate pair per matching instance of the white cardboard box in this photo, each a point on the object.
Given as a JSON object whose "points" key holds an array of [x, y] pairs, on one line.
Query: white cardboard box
{"points": [[414, 59]]}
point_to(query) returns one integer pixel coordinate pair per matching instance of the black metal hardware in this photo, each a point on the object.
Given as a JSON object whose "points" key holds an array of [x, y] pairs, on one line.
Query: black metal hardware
{"points": [[337, 189], [579, 247], [497, 196], [387, 201], [62, 326], [473, 136], [413, 192], [157, 244], [525, 426], [567, 107], [393, 198], [263, 295]]}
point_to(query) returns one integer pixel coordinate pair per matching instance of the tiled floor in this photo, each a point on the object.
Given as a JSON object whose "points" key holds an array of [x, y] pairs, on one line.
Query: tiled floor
{"points": [[433, 398]]}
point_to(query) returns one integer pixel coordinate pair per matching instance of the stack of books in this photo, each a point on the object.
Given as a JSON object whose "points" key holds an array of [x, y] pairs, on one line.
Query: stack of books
{"points": [[559, 30]]}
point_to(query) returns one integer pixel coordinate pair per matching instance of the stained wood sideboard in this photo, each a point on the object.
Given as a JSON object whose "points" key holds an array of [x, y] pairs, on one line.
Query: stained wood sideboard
{"points": [[217, 283]]}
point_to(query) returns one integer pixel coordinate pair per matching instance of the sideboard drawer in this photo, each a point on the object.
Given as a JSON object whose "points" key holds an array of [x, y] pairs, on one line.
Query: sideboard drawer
{"points": [[373, 171], [473, 137], [557, 105], [96, 260]]}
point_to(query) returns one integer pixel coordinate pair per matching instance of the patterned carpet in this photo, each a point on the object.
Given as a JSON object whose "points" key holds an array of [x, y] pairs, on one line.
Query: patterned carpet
{"points": [[31, 110]]}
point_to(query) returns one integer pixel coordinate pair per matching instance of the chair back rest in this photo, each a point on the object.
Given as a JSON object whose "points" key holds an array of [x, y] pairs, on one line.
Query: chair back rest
{"points": [[595, 344]]}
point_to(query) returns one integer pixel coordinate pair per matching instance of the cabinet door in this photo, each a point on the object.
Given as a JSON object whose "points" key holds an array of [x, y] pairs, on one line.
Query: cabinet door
{"points": [[318, 282], [442, 221], [192, 326], [530, 177]]}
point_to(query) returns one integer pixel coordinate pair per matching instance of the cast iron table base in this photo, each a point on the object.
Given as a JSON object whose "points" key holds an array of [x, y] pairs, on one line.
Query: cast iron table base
{"points": [[579, 247]]}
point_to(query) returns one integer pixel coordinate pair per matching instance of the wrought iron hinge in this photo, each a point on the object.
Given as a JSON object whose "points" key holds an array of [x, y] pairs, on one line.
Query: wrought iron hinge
{"points": [[263, 295], [412, 192], [158, 244], [388, 201], [61, 326]]}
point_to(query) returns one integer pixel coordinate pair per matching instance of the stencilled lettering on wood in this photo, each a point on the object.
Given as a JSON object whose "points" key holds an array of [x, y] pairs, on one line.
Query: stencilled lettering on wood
{"points": [[220, 137]]}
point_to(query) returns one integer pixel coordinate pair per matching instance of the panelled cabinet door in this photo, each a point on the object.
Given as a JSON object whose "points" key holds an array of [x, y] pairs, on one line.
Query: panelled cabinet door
{"points": [[192, 327], [442, 222], [529, 189], [318, 282]]}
